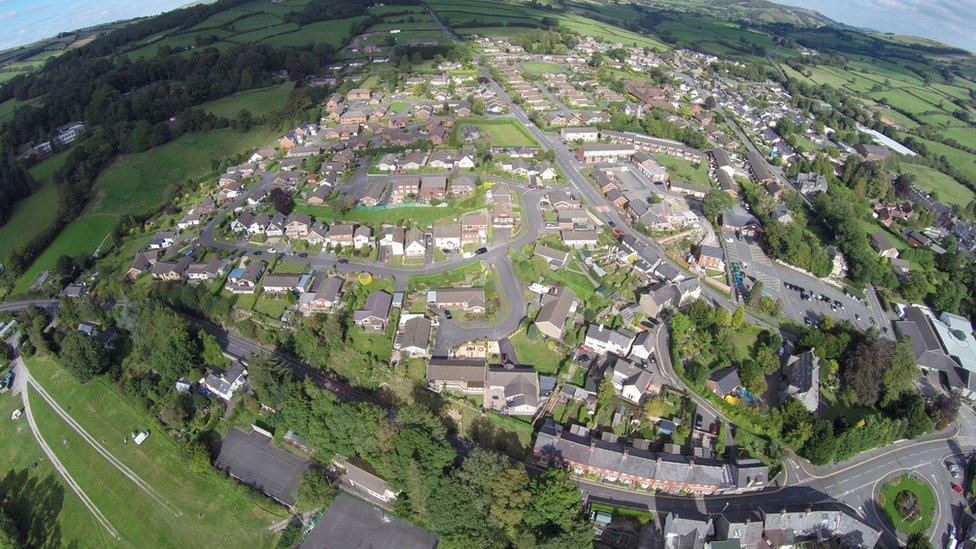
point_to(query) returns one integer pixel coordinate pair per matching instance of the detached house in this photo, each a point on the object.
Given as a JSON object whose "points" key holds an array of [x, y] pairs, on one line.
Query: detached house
{"points": [[603, 340], [464, 375], [512, 390], [557, 309], [414, 243], [325, 295], [470, 300], [375, 313], [474, 228]]}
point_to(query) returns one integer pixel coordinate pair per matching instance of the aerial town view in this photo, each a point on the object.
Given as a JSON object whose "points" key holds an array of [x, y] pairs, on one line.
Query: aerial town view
{"points": [[487, 273]]}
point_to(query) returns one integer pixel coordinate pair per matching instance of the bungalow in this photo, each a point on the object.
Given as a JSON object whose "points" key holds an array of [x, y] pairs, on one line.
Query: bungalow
{"points": [[579, 239], [414, 243], [373, 194], [304, 151], [447, 236], [171, 270], [317, 234], [387, 163], [555, 258], [206, 271], [557, 309], [413, 161], [512, 390], [276, 226], [320, 194], [163, 240], [375, 313], [142, 262], [460, 374], [573, 218], [470, 300], [882, 245], [466, 160], [245, 280], [442, 160], [586, 134], [413, 339], [282, 283], [325, 295], [462, 185]]}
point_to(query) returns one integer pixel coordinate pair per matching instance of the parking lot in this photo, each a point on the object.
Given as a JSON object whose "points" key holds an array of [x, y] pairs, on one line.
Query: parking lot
{"points": [[790, 287]]}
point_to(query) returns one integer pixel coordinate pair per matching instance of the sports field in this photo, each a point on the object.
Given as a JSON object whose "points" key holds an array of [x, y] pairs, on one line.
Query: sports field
{"points": [[204, 509], [501, 132]]}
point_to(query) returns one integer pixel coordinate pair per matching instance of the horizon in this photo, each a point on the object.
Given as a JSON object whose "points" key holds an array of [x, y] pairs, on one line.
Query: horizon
{"points": [[947, 21], [24, 22]]}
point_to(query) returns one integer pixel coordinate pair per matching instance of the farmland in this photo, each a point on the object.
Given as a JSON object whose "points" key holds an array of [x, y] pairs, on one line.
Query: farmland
{"points": [[139, 182], [78, 239], [262, 102], [945, 188], [36, 212]]}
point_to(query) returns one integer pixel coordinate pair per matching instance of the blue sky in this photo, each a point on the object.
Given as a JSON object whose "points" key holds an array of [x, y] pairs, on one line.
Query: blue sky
{"points": [[951, 22], [26, 21]]}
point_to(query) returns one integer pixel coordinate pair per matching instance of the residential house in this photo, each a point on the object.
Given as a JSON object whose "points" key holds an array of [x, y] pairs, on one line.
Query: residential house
{"points": [[555, 258], [362, 237], [209, 270], [414, 243], [447, 237], [465, 375], [392, 240], [283, 283], [171, 270], [432, 186], [341, 234], [725, 382], [604, 152], [225, 384], [413, 339], [375, 314], [585, 134], [710, 257], [647, 165], [602, 340], [643, 347], [297, 226], [474, 227], [142, 262], [557, 309], [471, 300], [325, 295], [405, 187], [512, 390]]}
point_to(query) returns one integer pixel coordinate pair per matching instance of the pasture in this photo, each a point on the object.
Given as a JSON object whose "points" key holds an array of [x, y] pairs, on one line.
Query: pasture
{"points": [[261, 102], [78, 239], [945, 188], [137, 183]]}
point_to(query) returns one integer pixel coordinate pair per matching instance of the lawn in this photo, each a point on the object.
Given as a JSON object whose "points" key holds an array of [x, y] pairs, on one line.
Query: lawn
{"points": [[543, 355], [683, 170], [465, 274], [37, 498], [8, 107], [540, 68], [214, 510], [419, 216], [943, 186], [262, 102], [137, 183], [926, 503], [501, 132], [78, 239]]}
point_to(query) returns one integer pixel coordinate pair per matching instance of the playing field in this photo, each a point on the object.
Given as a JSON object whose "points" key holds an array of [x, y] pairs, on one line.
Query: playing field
{"points": [[262, 102], [541, 68], [204, 509]]}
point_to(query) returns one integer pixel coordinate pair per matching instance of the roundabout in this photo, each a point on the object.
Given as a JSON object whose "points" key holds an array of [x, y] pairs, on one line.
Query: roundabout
{"points": [[908, 503]]}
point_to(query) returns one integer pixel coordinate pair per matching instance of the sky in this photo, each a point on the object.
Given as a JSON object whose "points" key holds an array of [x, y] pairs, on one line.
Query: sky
{"points": [[951, 22], [26, 21]]}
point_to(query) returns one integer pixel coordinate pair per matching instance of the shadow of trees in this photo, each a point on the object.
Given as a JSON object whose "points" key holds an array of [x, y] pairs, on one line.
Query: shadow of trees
{"points": [[34, 505]]}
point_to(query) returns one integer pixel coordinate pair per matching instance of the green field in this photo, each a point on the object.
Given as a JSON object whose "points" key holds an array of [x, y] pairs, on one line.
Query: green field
{"points": [[683, 170], [501, 132], [926, 501], [212, 509], [945, 187], [8, 107], [78, 239], [36, 212], [37, 498], [535, 67], [262, 102], [537, 353], [960, 160], [139, 182], [333, 32]]}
